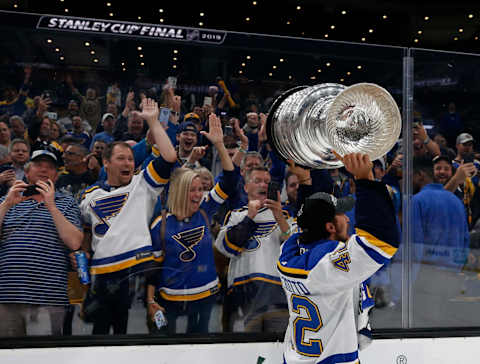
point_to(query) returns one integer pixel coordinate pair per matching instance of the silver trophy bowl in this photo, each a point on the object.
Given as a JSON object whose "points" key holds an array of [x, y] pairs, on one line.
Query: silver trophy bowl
{"points": [[306, 123]]}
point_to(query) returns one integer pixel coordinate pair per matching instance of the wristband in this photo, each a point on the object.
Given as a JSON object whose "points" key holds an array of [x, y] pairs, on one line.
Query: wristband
{"points": [[286, 233], [241, 150], [151, 302]]}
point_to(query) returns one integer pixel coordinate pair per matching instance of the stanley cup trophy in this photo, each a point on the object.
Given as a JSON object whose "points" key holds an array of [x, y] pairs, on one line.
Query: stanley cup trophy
{"points": [[307, 122]]}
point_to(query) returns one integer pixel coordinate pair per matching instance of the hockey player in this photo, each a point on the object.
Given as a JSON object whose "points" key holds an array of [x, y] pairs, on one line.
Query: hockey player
{"points": [[118, 212], [321, 268]]}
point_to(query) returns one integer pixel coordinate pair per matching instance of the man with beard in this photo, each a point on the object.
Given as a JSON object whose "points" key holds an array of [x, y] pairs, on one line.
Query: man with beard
{"points": [[322, 268], [461, 184], [187, 138], [77, 176]]}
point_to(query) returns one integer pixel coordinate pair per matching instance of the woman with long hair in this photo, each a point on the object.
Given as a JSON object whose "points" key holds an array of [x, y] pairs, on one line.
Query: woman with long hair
{"points": [[187, 282]]}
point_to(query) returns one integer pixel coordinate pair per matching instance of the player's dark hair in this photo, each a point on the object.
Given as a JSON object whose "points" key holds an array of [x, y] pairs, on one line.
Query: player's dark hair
{"points": [[313, 222]]}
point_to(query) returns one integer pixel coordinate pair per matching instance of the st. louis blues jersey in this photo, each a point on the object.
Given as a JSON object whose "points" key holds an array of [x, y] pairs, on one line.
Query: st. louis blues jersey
{"points": [[119, 218], [188, 272], [255, 258], [320, 280]]}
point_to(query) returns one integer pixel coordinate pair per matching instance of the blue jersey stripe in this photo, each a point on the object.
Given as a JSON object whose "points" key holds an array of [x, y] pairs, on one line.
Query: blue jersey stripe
{"points": [[122, 256], [380, 259]]}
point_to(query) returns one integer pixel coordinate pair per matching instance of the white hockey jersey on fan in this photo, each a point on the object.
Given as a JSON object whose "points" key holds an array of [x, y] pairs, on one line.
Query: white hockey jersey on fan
{"points": [[256, 260], [119, 219]]}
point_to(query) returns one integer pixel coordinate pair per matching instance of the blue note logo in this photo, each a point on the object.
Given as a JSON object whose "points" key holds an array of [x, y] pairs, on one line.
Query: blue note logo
{"points": [[105, 209], [188, 239], [263, 229]]}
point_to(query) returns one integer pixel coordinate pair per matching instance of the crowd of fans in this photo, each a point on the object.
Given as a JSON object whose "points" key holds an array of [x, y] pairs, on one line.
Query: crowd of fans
{"points": [[176, 214]]}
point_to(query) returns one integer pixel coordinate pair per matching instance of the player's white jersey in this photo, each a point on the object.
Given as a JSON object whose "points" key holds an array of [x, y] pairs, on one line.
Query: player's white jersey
{"points": [[119, 219], [256, 258], [321, 282]]}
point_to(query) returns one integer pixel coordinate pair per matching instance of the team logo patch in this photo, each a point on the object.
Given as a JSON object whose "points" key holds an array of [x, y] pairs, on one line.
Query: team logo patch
{"points": [[188, 239], [263, 229], [341, 260], [105, 209]]}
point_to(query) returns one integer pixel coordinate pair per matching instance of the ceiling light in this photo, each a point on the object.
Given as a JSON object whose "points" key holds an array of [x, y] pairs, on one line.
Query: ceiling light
{"points": [[455, 38], [290, 77], [254, 3], [174, 58], [142, 64], [343, 12], [270, 74], [240, 71], [281, 60], [319, 70], [332, 26], [359, 67], [62, 58], [299, 7], [200, 24], [140, 55], [174, 66], [312, 77], [326, 35], [342, 79], [123, 63], [370, 30], [476, 38], [328, 64], [288, 22], [274, 67], [384, 17], [460, 30], [243, 64], [49, 41], [57, 49], [470, 16], [247, 19], [139, 18], [175, 51], [109, 4], [248, 57], [92, 52], [202, 14], [419, 32], [161, 20], [15, 6], [95, 60], [110, 14], [415, 40], [124, 69], [66, 10], [349, 73], [363, 39], [139, 48], [160, 10], [427, 18]]}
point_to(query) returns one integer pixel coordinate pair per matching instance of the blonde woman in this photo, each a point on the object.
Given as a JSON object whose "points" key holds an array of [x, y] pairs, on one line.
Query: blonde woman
{"points": [[188, 283]]}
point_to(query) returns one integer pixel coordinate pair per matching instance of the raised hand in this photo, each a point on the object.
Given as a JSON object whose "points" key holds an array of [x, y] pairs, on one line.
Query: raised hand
{"points": [[357, 164], [215, 133], [150, 110]]}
